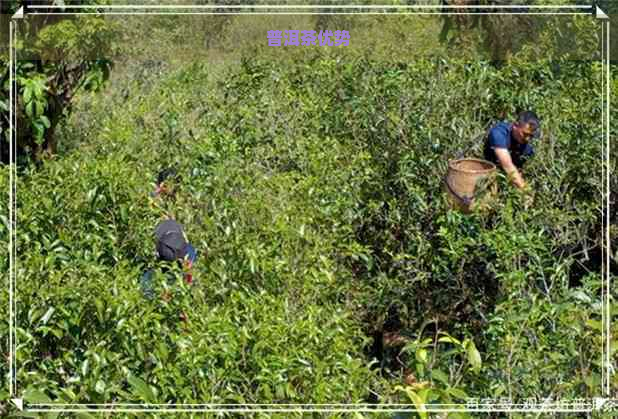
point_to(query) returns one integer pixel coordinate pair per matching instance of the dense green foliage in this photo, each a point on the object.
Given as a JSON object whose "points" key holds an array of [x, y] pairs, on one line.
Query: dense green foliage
{"points": [[315, 198], [331, 267]]}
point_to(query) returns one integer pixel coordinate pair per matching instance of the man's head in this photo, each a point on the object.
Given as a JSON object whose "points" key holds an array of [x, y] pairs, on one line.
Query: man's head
{"points": [[168, 173], [526, 127], [171, 242], [165, 182]]}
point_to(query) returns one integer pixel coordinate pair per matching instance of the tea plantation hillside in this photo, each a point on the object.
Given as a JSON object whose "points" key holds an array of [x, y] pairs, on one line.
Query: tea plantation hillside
{"points": [[331, 267]]}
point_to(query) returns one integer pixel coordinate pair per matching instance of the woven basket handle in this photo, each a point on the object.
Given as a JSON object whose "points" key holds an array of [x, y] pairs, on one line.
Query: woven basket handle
{"points": [[467, 200]]}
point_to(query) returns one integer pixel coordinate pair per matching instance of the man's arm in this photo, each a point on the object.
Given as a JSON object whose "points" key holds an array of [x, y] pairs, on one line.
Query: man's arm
{"points": [[504, 157]]}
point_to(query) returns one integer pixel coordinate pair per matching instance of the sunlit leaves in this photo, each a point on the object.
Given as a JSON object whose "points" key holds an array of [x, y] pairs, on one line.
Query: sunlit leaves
{"points": [[313, 195]]}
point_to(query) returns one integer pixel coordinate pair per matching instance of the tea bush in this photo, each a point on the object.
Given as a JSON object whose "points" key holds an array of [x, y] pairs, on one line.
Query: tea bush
{"points": [[55, 57], [331, 266]]}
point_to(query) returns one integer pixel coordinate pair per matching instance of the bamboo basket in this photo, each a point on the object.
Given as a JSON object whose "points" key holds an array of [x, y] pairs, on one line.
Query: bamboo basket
{"points": [[470, 182]]}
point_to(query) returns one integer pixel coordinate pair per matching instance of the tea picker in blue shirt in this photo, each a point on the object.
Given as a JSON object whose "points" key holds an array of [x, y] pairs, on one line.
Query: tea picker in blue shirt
{"points": [[508, 145], [171, 246]]}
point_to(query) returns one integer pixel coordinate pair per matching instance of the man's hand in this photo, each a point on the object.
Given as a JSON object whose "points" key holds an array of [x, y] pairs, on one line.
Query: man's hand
{"points": [[504, 157], [526, 195], [528, 198]]}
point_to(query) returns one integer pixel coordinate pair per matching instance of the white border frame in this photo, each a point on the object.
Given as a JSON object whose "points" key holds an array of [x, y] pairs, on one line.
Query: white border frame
{"points": [[579, 405]]}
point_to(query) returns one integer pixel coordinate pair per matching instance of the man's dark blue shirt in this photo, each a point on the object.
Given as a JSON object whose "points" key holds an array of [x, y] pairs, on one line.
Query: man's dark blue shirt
{"points": [[500, 137]]}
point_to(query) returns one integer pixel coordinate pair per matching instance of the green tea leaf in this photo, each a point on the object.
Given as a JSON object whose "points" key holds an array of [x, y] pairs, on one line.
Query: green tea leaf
{"points": [[419, 403], [100, 387], [458, 393], [85, 366], [47, 315], [439, 376], [45, 121], [27, 94], [36, 396], [474, 357], [141, 388], [421, 356], [449, 339]]}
